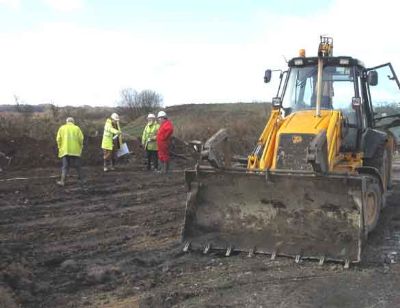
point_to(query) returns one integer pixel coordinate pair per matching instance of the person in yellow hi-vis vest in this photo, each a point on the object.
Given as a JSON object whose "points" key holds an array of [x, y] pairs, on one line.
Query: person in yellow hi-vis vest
{"points": [[112, 141], [149, 141], [70, 143]]}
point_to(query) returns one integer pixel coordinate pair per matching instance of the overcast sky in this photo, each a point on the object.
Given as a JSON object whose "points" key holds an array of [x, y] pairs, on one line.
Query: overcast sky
{"points": [[75, 52]]}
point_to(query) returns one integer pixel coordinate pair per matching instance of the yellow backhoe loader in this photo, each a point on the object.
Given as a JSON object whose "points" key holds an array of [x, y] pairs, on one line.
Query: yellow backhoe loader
{"points": [[315, 184]]}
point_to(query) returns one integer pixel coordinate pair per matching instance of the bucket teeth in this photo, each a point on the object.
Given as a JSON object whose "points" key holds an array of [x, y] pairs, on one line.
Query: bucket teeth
{"points": [[298, 259], [228, 251], [207, 248], [321, 260], [186, 247]]}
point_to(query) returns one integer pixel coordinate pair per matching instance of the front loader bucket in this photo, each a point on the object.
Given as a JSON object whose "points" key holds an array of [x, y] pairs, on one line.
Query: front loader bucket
{"points": [[297, 215]]}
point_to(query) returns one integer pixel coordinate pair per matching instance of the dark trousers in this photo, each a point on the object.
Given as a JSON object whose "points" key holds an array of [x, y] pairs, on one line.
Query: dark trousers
{"points": [[68, 161], [152, 157]]}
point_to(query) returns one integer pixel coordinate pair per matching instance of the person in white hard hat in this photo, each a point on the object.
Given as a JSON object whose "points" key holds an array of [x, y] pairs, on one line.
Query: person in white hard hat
{"points": [[112, 140], [149, 141], [164, 135], [70, 143]]}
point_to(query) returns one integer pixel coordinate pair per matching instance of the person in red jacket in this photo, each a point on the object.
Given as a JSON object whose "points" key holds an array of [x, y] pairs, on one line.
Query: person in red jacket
{"points": [[163, 140]]}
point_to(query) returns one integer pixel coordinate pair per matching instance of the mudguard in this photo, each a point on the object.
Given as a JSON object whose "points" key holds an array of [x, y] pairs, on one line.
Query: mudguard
{"points": [[299, 215]]}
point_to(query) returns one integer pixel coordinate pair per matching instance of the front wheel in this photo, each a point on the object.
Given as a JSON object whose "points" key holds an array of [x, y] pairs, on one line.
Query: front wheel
{"points": [[373, 205], [383, 162]]}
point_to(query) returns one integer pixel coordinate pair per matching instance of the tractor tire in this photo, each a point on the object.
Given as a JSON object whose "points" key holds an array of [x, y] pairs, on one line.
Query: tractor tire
{"points": [[373, 205], [383, 162]]}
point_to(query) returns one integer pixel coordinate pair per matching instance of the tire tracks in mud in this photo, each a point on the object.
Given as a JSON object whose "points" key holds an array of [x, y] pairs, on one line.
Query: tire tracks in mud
{"points": [[117, 237], [108, 220]]}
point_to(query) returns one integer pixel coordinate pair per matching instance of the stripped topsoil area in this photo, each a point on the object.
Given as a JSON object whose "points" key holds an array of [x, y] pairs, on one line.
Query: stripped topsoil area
{"points": [[114, 242]]}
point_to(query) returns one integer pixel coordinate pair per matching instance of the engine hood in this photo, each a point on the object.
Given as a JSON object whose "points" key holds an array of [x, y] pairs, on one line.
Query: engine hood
{"points": [[305, 122]]}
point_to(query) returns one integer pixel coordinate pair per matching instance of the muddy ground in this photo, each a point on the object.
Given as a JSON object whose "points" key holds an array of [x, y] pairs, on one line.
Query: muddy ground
{"points": [[114, 242]]}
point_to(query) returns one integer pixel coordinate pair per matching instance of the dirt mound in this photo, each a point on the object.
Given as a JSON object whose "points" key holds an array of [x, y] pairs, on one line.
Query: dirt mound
{"points": [[192, 122], [244, 121], [28, 152], [25, 152]]}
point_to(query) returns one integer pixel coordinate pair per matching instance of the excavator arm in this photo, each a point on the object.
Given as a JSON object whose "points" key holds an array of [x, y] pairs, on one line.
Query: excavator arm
{"points": [[262, 156]]}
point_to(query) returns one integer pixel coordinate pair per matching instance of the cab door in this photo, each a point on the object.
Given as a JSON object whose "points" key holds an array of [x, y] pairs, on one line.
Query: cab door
{"points": [[384, 99]]}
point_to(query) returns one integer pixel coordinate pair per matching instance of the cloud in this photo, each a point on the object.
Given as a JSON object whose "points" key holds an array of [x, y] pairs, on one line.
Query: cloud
{"points": [[13, 4], [369, 38], [74, 65], [65, 5], [71, 64]]}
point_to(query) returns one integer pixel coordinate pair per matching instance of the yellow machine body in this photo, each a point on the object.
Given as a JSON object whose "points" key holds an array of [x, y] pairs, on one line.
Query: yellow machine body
{"points": [[297, 125], [307, 191]]}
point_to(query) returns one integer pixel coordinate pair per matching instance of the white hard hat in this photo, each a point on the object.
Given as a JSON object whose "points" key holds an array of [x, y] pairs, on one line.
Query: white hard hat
{"points": [[70, 120], [115, 116], [161, 114], [151, 116]]}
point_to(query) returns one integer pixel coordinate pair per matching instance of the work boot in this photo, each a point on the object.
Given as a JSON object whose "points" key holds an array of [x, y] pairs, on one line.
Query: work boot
{"points": [[112, 167], [81, 179], [80, 175], [61, 182], [163, 167], [105, 168]]}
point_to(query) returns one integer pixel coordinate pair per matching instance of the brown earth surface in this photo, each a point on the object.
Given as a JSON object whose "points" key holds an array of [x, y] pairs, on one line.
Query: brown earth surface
{"points": [[27, 153], [115, 242]]}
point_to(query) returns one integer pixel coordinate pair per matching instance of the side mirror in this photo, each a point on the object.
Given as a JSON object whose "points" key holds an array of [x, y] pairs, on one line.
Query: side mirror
{"points": [[267, 76], [277, 102], [356, 102], [372, 78]]}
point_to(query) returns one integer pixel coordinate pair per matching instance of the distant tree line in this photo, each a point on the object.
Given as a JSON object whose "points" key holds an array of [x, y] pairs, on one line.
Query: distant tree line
{"points": [[387, 108], [136, 103], [22, 108]]}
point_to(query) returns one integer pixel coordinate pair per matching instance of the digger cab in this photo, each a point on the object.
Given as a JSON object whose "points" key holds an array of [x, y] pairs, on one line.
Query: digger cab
{"points": [[347, 86], [339, 86]]}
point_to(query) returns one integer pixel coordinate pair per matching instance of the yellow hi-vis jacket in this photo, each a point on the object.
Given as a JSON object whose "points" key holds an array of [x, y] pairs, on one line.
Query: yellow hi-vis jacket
{"points": [[149, 136], [69, 140], [109, 133]]}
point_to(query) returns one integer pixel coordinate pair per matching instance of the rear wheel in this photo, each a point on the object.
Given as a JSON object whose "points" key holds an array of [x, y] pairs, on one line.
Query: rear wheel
{"points": [[373, 205]]}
